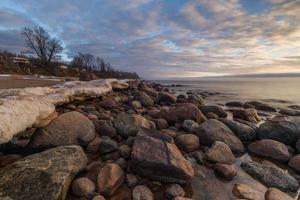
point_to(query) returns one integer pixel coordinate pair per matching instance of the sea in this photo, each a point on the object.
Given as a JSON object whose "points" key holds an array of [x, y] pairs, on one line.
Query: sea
{"points": [[281, 91]]}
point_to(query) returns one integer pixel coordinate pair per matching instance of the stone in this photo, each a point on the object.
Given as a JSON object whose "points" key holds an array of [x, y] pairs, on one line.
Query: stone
{"points": [[181, 112], [195, 99], [72, 128], [129, 124], [182, 198], [282, 129], [211, 115], [213, 130], [275, 194], [189, 125], [110, 178], [187, 142], [105, 128], [249, 115], [44, 175], [136, 104], [148, 89], [142, 192], [98, 197], [174, 190], [218, 110], [122, 163], [198, 155], [262, 106], [145, 99], [244, 191], [235, 104], [125, 151], [169, 132], [131, 180], [108, 145], [166, 97], [294, 163], [94, 145], [83, 187], [161, 123], [227, 172], [271, 176], [244, 132], [270, 149], [155, 156], [109, 103], [289, 112], [220, 153], [8, 159], [92, 170]]}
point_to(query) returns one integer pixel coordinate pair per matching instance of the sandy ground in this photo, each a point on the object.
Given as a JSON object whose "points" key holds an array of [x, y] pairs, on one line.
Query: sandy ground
{"points": [[22, 82]]}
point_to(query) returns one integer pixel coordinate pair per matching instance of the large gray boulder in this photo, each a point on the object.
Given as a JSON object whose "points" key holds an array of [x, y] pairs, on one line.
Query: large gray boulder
{"points": [[218, 110], [271, 176], [46, 175], [155, 156], [72, 128], [282, 129], [213, 130]]}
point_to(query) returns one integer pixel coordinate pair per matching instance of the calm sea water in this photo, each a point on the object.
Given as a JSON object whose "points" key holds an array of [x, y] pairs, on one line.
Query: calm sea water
{"points": [[276, 90]]}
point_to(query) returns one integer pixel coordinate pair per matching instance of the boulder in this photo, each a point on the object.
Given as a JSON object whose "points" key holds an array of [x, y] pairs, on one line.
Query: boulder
{"points": [[161, 123], [110, 178], [155, 156], [270, 149], [83, 187], [44, 175], [189, 125], [174, 190], [249, 115], [187, 142], [195, 99], [142, 192], [294, 163], [244, 132], [148, 89], [145, 99], [166, 97], [227, 172], [220, 153], [94, 145], [131, 180], [244, 191], [8, 159], [275, 194], [262, 106], [129, 124], [235, 104], [107, 145], [105, 128], [181, 112], [218, 110], [87, 76], [289, 112], [271, 176], [72, 128], [109, 103], [282, 129], [213, 130]]}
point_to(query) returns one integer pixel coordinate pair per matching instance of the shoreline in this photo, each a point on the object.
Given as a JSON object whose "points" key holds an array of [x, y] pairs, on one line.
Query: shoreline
{"points": [[143, 141]]}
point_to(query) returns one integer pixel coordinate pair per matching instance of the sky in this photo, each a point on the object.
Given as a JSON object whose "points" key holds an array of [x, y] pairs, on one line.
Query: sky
{"points": [[166, 38]]}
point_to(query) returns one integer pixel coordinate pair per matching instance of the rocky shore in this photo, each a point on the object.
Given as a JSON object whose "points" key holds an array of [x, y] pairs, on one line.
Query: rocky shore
{"points": [[138, 140]]}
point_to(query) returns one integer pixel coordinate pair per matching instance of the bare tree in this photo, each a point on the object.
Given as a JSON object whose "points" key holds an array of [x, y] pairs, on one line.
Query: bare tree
{"points": [[39, 43]]}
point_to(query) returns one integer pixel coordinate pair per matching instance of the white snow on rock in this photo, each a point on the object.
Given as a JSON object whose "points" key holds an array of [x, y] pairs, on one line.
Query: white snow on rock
{"points": [[27, 107]]}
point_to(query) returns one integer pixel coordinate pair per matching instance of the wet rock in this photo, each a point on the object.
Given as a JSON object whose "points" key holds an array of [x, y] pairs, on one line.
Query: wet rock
{"points": [[148, 89], [161, 123], [213, 130], [156, 157], [136, 104], [244, 132], [211, 115], [45, 175], [244, 191], [110, 178], [235, 104], [125, 151], [131, 180], [227, 172], [107, 145], [182, 198], [92, 170], [105, 128], [187, 142], [271, 176], [249, 115], [270, 149], [142, 192], [294, 163], [214, 109], [181, 112], [189, 125], [72, 128], [282, 129], [165, 97], [83, 187], [109, 103], [289, 112], [169, 132], [8, 159], [122, 163], [198, 155], [145, 99], [220, 153], [98, 197], [295, 107], [275, 194], [262, 106], [129, 124], [174, 190], [195, 99]]}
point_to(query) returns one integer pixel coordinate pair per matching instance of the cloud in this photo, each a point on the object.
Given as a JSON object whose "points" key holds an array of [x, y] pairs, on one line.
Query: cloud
{"points": [[168, 38]]}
